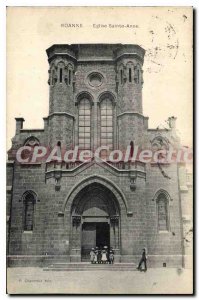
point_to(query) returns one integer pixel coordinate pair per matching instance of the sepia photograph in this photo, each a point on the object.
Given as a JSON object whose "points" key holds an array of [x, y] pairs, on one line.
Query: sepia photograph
{"points": [[99, 150]]}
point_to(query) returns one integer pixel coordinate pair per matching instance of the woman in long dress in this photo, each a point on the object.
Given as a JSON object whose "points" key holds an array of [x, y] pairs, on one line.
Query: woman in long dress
{"points": [[95, 258], [104, 258]]}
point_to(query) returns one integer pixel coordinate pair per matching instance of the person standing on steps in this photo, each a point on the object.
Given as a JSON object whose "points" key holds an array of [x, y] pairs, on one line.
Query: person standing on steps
{"points": [[99, 257], [95, 258], [111, 257], [104, 258], [143, 260], [92, 255]]}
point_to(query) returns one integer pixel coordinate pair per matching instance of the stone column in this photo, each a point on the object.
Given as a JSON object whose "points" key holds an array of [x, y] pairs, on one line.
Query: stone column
{"points": [[114, 233], [76, 239]]}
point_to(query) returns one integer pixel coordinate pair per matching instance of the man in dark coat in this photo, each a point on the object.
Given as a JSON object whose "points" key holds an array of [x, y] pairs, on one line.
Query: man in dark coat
{"points": [[143, 260]]}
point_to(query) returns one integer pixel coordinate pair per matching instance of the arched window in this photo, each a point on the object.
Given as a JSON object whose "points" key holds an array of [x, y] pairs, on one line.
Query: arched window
{"points": [[69, 77], [131, 149], [162, 212], [138, 76], [29, 200], [60, 75], [130, 75], [70, 74], [129, 71], [121, 76], [137, 73], [53, 76], [106, 116], [84, 124], [32, 142]]}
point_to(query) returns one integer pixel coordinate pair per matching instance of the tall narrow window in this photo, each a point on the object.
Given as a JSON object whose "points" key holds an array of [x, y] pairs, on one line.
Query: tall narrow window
{"points": [[138, 76], [29, 202], [84, 124], [162, 211], [131, 149], [121, 76], [106, 113], [60, 75], [130, 75], [69, 77]]}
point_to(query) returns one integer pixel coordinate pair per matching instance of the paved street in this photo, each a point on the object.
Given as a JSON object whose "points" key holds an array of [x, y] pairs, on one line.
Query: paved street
{"points": [[36, 280]]}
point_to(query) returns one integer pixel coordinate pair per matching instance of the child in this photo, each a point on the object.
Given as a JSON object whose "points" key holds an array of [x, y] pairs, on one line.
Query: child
{"points": [[92, 255]]}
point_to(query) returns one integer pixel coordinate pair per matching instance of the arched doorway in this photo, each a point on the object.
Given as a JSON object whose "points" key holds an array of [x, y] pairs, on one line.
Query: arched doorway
{"points": [[95, 220]]}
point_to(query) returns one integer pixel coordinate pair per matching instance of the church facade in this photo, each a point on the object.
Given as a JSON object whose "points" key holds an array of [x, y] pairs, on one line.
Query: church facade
{"points": [[57, 210]]}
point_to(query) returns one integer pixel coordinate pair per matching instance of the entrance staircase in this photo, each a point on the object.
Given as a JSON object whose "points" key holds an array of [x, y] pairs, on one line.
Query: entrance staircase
{"points": [[87, 266]]}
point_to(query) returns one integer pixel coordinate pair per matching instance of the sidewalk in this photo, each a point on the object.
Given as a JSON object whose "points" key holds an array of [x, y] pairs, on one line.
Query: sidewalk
{"points": [[154, 281]]}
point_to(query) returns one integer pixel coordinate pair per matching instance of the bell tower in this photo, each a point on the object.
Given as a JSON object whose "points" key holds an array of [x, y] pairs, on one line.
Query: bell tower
{"points": [[129, 61], [62, 62], [129, 80]]}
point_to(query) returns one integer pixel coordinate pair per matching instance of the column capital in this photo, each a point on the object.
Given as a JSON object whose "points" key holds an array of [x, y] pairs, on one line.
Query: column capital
{"points": [[76, 220]]}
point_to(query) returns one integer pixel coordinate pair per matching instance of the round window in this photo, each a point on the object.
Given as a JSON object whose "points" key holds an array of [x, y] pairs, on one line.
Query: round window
{"points": [[95, 79]]}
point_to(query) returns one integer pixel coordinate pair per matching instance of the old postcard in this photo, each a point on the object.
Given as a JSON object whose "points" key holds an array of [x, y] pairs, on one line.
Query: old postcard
{"points": [[99, 176]]}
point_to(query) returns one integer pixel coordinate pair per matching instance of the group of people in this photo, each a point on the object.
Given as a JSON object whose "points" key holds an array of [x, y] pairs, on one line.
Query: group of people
{"points": [[102, 255], [106, 256]]}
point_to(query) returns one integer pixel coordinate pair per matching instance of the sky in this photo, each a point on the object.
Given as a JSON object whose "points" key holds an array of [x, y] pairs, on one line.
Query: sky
{"points": [[165, 33]]}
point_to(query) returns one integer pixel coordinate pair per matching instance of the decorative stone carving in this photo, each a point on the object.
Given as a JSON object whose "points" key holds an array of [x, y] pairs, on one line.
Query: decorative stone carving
{"points": [[114, 220], [133, 177], [76, 220], [159, 143], [57, 176], [55, 78]]}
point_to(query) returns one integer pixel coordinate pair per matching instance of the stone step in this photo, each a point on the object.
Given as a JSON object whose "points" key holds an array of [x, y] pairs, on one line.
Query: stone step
{"points": [[87, 264], [91, 267]]}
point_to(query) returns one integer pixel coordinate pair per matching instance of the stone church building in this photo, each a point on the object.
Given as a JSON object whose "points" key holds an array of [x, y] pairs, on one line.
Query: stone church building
{"points": [[57, 211]]}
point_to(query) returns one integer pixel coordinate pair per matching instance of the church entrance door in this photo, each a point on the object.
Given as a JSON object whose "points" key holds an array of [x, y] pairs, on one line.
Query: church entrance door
{"points": [[102, 234], [95, 222], [94, 234]]}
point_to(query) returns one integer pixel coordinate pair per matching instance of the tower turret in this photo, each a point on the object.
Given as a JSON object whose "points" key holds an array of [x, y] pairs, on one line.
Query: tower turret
{"points": [[62, 61], [129, 81], [129, 61]]}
